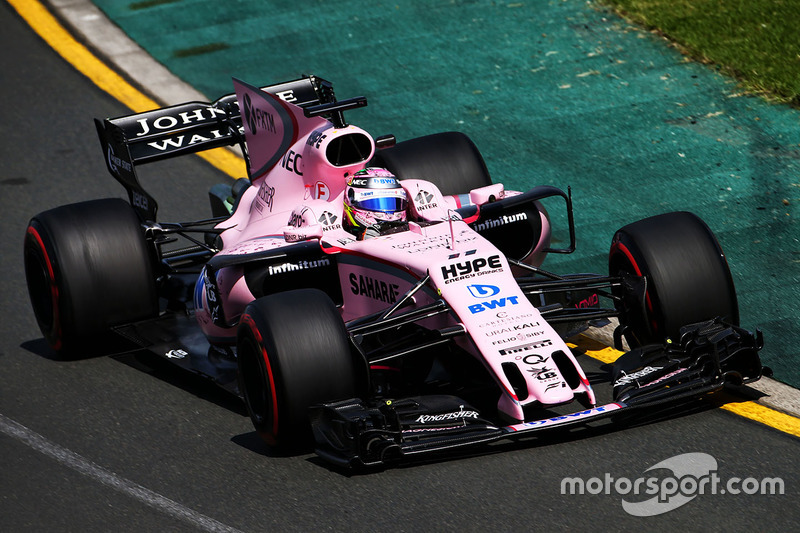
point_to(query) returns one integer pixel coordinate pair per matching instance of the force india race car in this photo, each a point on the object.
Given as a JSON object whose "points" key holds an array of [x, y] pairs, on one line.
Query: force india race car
{"points": [[443, 333]]}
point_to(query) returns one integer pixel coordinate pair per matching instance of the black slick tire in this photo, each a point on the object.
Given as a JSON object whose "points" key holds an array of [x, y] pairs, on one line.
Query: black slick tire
{"points": [[88, 268], [687, 276], [293, 352]]}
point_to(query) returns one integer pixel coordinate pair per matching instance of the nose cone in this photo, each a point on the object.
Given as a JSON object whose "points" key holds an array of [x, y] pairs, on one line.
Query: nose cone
{"points": [[546, 386], [554, 391]]}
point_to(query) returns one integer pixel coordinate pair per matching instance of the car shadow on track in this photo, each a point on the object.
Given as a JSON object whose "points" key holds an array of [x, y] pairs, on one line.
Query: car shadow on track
{"points": [[104, 345], [194, 384], [252, 442], [133, 356]]}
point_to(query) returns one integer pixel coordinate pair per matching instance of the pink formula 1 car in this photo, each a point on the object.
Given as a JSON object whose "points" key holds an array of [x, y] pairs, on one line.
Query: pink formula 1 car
{"points": [[420, 332]]}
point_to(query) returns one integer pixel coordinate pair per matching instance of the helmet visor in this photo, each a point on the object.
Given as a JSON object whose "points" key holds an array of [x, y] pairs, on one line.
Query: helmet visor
{"points": [[382, 204]]}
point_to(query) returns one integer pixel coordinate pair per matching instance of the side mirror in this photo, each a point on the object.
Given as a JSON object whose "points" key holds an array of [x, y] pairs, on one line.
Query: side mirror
{"points": [[489, 193], [303, 233]]}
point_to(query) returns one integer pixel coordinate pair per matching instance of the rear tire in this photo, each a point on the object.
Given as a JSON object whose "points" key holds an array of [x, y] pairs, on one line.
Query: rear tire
{"points": [[450, 160], [293, 352], [688, 279], [88, 268]]}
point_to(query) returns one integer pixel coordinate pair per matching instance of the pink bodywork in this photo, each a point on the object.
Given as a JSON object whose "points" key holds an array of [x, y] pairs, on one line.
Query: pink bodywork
{"points": [[302, 190]]}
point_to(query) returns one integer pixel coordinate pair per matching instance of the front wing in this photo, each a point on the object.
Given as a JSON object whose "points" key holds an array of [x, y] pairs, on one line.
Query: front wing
{"points": [[354, 434]]}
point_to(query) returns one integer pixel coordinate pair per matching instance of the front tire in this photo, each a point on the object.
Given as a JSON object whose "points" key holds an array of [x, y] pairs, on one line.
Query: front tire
{"points": [[687, 276], [87, 268], [293, 352]]}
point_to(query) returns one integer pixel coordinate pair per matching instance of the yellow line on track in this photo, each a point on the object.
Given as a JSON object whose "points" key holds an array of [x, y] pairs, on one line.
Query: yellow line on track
{"points": [[49, 29], [55, 35], [760, 413]]}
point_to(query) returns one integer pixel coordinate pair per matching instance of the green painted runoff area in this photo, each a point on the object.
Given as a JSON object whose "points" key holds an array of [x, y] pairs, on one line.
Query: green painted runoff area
{"points": [[559, 92]]}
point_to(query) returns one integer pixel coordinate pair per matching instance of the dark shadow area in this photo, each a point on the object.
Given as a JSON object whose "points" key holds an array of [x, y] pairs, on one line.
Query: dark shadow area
{"points": [[103, 345], [738, 393], [128, 353], [253, 442], [195, 384]]}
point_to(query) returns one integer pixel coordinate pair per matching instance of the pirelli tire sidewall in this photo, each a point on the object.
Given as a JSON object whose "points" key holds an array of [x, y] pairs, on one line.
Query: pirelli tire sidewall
{"points": [[687, 275], [293, 352], [88, 268]]}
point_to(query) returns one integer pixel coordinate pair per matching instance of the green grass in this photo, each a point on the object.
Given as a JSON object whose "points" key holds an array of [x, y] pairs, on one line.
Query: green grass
{"points": [[756, 41]]}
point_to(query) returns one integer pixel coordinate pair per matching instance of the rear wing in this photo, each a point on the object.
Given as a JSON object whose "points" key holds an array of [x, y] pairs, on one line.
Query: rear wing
{"points": [[187, 128]]}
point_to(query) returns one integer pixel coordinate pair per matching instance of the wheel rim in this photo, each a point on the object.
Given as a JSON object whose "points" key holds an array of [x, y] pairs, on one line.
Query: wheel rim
{"points": [[624, 262]]}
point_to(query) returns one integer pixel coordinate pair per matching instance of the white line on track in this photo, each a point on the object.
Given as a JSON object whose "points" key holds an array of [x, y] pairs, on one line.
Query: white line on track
{"points": [[98, 473]]}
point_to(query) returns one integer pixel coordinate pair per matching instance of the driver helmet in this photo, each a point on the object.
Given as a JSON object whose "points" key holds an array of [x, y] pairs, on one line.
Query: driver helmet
{"points": [[373, 196]]}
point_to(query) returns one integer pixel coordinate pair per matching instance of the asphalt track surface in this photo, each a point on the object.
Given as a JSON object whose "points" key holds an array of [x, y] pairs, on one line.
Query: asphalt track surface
{"points": [[110, 443]]}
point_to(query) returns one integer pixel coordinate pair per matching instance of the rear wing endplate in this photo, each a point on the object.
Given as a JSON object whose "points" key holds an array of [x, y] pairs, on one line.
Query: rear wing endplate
{"points": [[187, 128]]}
